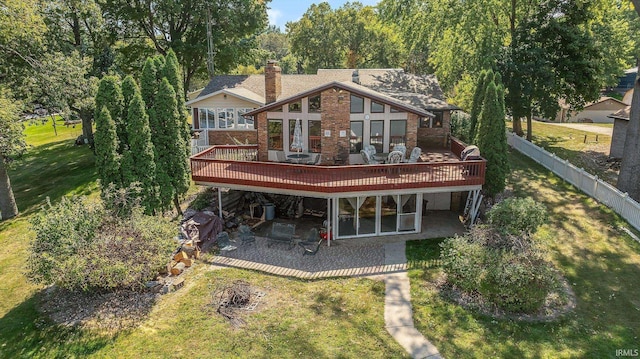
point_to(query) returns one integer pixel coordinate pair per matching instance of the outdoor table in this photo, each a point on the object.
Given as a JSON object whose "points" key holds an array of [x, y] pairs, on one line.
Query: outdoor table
{"points": [[298, 156], [381, 157]]}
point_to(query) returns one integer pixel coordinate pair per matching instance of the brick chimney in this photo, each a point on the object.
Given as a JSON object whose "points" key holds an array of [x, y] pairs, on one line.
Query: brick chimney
{"points": [[272, 82]]}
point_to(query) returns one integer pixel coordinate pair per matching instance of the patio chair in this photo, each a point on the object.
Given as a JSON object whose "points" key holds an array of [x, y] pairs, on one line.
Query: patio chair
{"points": [[281, 157], [224, 242], [402, 149], [246, 234], [368, 159], [316, 160], [371, 149], [395, 157], [311, 244], [415, 155]]}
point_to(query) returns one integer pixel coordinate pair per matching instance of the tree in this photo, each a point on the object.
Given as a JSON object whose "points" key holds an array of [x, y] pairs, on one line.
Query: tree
{"points": [[478, 100], [109, 95], [629, 178], [171, 157], [491, 139], [11, 144], [138, 163], [181, 25], [106, 148], [351, 36], [173, 74]]}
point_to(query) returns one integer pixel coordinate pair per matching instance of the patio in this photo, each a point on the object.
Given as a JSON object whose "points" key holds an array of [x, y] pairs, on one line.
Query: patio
{"points": [[346, 257]]}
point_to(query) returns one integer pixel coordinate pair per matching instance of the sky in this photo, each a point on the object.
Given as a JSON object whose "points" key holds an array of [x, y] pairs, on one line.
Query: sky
{"points": [[282, 11]]}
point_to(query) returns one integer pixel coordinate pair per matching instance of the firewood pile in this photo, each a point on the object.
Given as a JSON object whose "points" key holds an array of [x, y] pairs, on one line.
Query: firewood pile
{"points": [[237, 296]]}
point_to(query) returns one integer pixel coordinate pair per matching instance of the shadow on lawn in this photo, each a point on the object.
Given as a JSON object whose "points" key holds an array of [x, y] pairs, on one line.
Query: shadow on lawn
{"points": [[25, 334], [52, 170]]}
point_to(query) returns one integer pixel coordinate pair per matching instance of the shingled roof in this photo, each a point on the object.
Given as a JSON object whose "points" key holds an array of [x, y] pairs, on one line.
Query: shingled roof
{"points": [[421, 91]]}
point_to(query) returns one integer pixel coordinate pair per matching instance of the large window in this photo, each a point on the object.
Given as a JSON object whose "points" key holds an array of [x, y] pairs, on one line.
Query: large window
{"points": [[398, 133], [376, 138], [315, 104], [355, 140], [377, 107], [274, 128], [224, 118], [295, 106], [315, 138], [357, 104]]}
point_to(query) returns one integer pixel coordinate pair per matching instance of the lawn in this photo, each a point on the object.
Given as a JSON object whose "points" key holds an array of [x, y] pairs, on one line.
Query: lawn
{"points": [[599, 260], [328, 318], [569, 144]]}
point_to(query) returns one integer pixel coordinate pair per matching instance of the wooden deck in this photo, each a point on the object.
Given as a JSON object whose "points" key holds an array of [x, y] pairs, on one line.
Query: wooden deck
{"points": [[443, 169]]}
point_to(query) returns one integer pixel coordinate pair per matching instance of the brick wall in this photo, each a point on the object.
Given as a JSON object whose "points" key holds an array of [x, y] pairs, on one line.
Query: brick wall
{"points": [[224, 137], [413, 121], [435, 137], [260, 121], [335, 118]]}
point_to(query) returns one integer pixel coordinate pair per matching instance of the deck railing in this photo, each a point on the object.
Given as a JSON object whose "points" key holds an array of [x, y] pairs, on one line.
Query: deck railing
{"points": [[230, 152], [210, 167]]}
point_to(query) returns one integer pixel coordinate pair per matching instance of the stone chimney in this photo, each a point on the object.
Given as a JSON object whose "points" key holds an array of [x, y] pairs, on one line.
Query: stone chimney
{"points": [[355, 76], [272, 82]]}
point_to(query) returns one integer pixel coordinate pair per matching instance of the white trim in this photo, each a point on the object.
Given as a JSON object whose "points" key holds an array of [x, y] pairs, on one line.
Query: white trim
{"points": [[223, 91]]}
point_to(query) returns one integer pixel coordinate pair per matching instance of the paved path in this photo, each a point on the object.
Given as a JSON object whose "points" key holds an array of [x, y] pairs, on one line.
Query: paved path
{"points": [[586, 127], [390, 264], [398, 315]]}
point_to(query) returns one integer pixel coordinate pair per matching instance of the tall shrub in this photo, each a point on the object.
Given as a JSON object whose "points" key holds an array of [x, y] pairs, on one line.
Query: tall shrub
{"points": [[174, 76], [139, 162], [109, 95], [492, 141], [476, 106], [106, 149]]}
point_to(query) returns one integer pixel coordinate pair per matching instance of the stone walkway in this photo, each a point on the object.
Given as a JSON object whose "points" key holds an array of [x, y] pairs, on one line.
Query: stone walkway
{"points": [[344, 259]]}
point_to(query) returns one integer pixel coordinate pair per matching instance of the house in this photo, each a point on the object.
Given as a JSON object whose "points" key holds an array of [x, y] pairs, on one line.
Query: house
{"points": [[337, 114], [597, 112], [619, 135]]}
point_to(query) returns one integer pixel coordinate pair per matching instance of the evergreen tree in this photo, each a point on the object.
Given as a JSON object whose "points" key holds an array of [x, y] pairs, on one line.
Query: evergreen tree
{"points": [[139, 162], [172, 174], [109, 95], [492, 140], [129, 87], [148, 83], [476, 107], [106, 148], [174, 75]]}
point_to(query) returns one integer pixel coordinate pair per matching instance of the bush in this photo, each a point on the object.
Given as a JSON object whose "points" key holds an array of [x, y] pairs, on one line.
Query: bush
{"points": [[203, 199], [518, 282], [82, 246], [517, 216], [463, 261]]}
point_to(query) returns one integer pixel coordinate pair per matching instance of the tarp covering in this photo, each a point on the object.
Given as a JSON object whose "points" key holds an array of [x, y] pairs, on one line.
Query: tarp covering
{"points": [[202, 227]]}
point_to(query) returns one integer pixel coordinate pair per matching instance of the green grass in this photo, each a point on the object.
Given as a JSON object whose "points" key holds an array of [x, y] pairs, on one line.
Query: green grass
{"points": [[41, 131], [312, 319], [569, 144], [601, 263]]}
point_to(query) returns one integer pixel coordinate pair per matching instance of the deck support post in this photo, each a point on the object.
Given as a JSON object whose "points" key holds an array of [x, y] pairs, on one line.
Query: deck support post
{"points": [[329, 229], [220, 203]]}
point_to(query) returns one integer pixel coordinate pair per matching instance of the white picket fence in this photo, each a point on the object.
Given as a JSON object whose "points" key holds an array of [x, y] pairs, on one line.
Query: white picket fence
{"points": [[601, 191]]}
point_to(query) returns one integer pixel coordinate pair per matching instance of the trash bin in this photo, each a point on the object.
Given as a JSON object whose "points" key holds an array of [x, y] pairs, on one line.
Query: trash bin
{"points": [[269, 211]]}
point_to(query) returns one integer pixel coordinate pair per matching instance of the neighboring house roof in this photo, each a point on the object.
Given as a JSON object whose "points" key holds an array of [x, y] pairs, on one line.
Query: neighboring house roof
{"points": [[621, 114], [353, 88], [563, 104], [239, 92], [421, 91]]}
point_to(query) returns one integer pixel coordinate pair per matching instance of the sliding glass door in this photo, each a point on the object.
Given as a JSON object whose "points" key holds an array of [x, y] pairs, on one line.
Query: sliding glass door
{"points": [[376, 215]]}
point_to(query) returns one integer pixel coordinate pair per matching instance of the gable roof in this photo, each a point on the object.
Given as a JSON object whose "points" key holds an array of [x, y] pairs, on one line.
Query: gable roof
{"points": [[622, 114], [422, 91], [564, 104], [352, 88]]}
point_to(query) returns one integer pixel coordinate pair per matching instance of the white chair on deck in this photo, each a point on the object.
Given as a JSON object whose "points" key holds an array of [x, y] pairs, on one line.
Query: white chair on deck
{"points": [[402, 149], [316, 160], [395, 157], [281, 157], [368, 159], [415, 155]]}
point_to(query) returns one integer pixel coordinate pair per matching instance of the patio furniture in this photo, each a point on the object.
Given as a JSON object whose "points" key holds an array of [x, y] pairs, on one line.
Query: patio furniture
{"points": [[368, 159], [415, 155], [371, 149], [312, 243], [381, 157], [280, 156], [224, 242], [395, 157], [246, 234], [282, 233], [402, 149], [297, 157], [316, 160]]}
